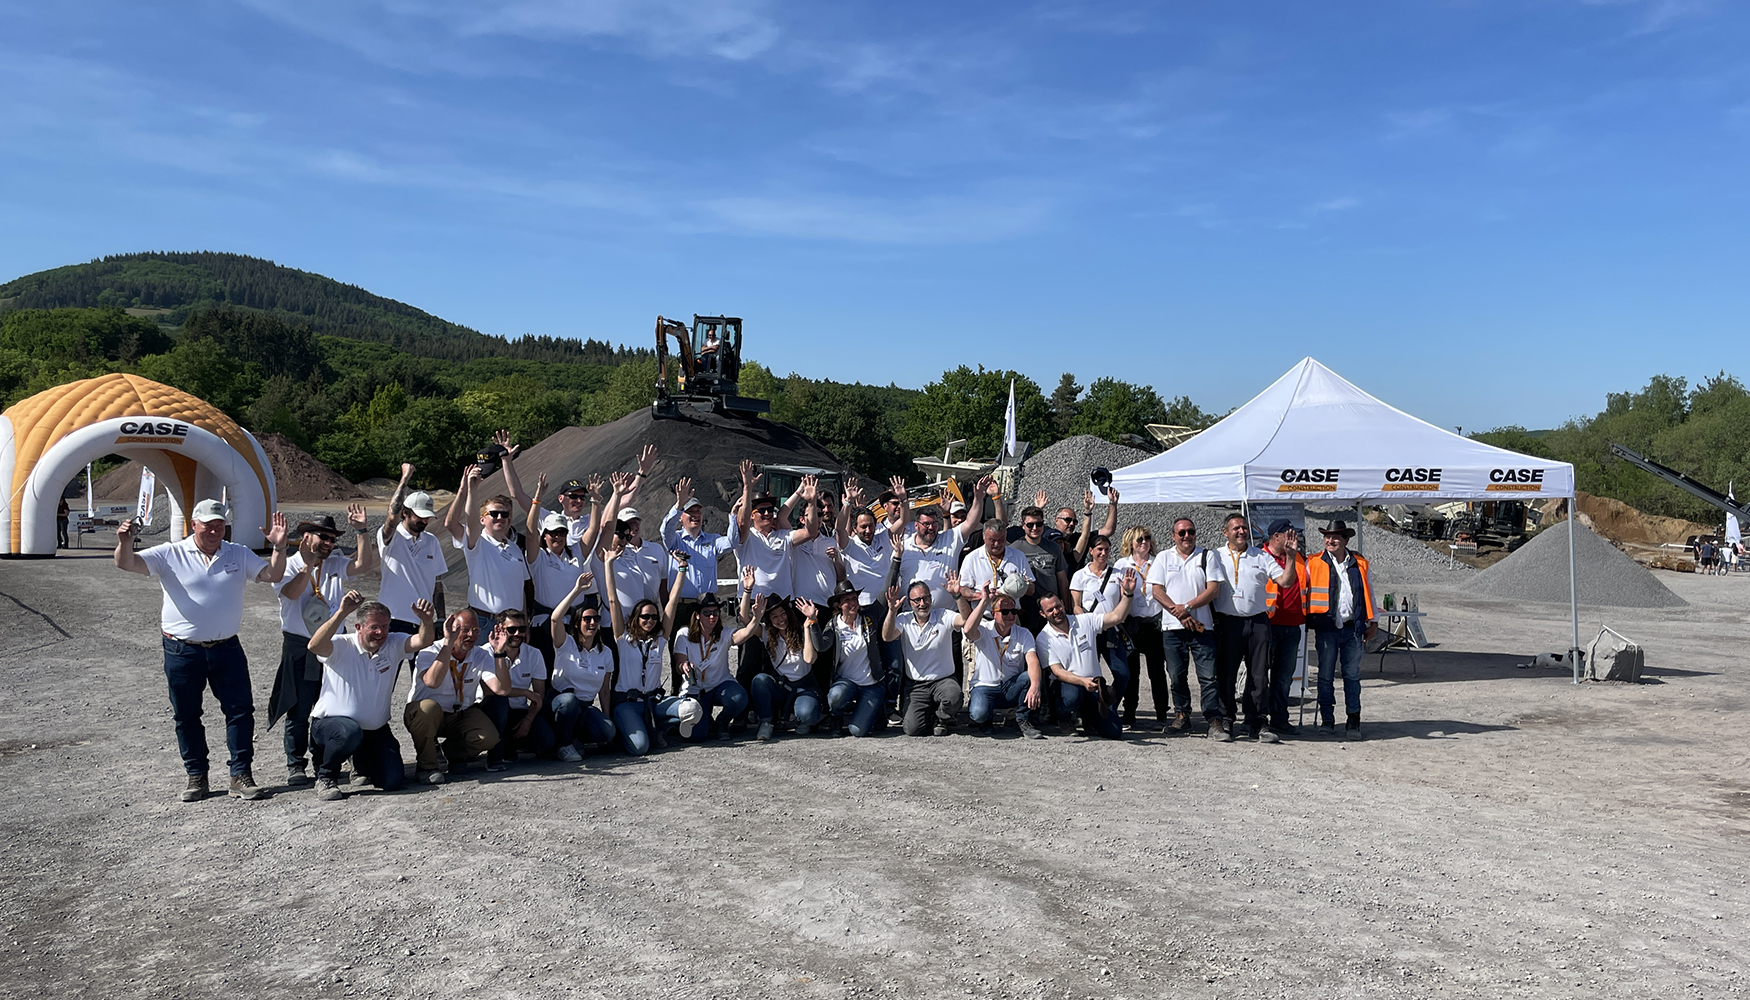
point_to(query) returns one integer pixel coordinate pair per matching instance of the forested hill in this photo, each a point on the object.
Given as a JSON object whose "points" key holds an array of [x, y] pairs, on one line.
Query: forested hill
{"points": [[181, 283]]}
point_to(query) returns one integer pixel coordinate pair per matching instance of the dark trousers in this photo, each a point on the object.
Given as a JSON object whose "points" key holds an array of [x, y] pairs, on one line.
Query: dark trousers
{"points": [[61, 533], [943, 696], [1096, 716], [1240, 638], [892, 657], [374, 752], [505, 719], [1285, 655], [298, 664], [190, 670], [1183, 646], [1145, 640]]}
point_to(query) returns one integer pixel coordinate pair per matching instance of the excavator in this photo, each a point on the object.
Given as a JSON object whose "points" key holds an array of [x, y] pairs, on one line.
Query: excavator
{"points": [[710, 363]]}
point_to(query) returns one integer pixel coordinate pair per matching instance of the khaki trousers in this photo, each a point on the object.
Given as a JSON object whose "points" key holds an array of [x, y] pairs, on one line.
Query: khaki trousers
{"points": [[466, 733]]}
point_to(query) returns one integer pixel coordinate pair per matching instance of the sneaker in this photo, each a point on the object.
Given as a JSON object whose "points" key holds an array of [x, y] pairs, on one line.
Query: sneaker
{"points": [[803, 729], [940, 730], [765, 733], [243, 787], [568, 753], [1269, 736], [328, 790], [295, 775], [1352, 728], [197, 788], [360, 779], [1328, 729], [1287, 729], [1028, 730], [494, 765], [1181, 724], [430, 777]]}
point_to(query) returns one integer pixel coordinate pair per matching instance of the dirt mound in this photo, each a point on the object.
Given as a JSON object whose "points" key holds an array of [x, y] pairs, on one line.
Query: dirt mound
{"points": [[1538, 571], [1623, 524], [298, 476]]}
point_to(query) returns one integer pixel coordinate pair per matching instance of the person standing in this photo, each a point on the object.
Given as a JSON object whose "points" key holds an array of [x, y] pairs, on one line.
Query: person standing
{"points": [[1180, 583], [412, 556], [683, 529], [993, 565], [315, 581], [350, 721], [866, 548], [203, 578], [63, 515], [1287, 614], [1340, 611], [1142, 630], [1242, 629], [496, 567], [764, 544], [1045, 559]]}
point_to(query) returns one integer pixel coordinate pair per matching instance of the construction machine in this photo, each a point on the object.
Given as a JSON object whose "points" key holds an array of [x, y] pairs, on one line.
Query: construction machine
{"points": [[1688, 484], [710, 364]]}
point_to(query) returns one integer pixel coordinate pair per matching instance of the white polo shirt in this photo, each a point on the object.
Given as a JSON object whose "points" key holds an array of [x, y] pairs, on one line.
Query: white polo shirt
{"points": [[529, 666], [496, 571], [360, 685], [853, 652], [1183, 578], [1243, 576], [978, 568], [867, 566], [638, 575], [581, 671], [1097, 599], [329, 589], [640, 665], [463, 685], [411, 567], [996, 658], [1073, 650], [709, 658], [769, 557], [554, 577], [812, 575], [1142, 604], [931, 565], [203, 599], [928, 646]]}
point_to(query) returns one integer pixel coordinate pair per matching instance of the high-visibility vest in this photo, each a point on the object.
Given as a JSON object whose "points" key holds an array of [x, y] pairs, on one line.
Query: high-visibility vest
{"points": [[1273, 590], [1321, 594]]}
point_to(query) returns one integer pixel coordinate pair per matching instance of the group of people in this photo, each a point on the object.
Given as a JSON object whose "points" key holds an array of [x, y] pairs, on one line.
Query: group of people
{"points": [[1718, 559], [852, 613]]}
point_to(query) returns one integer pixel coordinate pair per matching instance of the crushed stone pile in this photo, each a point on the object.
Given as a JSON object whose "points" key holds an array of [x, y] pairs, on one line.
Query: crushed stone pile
{"points": [[298, 476], [1538, 571], [1061, 470]]}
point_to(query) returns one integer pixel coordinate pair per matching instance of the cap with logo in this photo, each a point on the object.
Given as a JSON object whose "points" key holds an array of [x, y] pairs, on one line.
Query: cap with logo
{"points": [[572, 486], [956, 507], [420, 504], [211, 510], [1278, 526], [691, 503], [555, 522], [628, 515]]}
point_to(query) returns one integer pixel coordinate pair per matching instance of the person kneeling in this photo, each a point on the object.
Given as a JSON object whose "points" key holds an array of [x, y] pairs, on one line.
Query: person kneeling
{"points": [[1006, 670], [350, 719], [446, 685], [1069, 643]]}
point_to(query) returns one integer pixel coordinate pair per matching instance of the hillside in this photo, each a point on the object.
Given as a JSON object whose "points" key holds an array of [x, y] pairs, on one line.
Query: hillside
{"points": [[173, 285]]}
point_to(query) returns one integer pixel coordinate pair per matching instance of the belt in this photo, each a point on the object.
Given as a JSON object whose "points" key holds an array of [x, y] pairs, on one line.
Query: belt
{"points": [[209, 644]]}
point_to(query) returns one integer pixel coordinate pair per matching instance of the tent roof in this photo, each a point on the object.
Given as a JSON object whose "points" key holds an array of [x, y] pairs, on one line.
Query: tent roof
{"points": [[1314, 436]]}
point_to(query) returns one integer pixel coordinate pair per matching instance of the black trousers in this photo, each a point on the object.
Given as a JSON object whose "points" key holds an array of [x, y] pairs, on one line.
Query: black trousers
{"points": [[1241, 638], [1145, 640]]}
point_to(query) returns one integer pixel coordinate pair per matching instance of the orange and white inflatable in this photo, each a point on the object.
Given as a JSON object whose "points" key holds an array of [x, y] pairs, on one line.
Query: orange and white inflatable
{"points": [[193, 448]]}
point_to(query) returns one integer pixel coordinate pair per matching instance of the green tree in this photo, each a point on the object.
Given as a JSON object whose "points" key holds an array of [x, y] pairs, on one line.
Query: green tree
{"points": [[202, 368], [1064, 405], [970, 404], [1113, 409], [278, 347], [81, 336], [1181, 412], [631, 387]]}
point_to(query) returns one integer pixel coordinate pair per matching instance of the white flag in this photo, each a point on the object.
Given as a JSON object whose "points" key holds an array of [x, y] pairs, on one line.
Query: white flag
{"points": [[1733, 535], [143, 505], [1009, 443]]}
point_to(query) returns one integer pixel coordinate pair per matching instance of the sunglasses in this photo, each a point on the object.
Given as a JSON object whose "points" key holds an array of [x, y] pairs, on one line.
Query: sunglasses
{"points": [[575, 496], [516, 630], [591, 620], [1030, 525], [1008, 612], [497, 514], [765, 511], [1186, 534], [708, 612], [648, 617]]}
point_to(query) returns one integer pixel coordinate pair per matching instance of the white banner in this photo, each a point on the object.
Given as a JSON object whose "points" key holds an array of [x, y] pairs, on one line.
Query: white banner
{"points": [[143, 506]]}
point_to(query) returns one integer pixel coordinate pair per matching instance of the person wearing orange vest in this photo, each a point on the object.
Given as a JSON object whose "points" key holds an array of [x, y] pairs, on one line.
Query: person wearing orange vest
{"points": [[1283, 605], [1340, 610]]}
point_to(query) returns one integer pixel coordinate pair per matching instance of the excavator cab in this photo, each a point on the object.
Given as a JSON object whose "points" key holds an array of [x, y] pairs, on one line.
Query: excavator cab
{"points": [[710, 364]]}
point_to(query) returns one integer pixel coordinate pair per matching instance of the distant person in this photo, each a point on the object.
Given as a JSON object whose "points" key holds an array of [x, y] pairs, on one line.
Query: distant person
{"points": [[1340, 611], [636, 691], [1242, 629], [1045, 558], [63, 515], [1182, 583], [1286, 611], [708, 352], [1005, 666], [442, 704], [413, 557], [351, 719], [925, 633], [683, 529], [579, 505], [1068, 647], [1142, 628], [203, 577], [315, 581], [1097, 589], [870, 551], [513, 693], [1063, 530], [496, 566]]}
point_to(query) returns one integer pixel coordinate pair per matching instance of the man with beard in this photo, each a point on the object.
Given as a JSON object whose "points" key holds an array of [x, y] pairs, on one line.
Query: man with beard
{"points": [[351, 719], [413, 558]]}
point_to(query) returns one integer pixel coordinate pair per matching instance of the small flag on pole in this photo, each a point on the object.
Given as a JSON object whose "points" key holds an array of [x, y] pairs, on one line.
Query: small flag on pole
{"points": [[1734, 534], [1009, 442]]}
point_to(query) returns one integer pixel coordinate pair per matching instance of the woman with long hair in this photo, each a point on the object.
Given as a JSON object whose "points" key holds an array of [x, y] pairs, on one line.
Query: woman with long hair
{"points": [[637, 686], [582, 663], [1143, 630], [701, 659], [856, 698], [776, 636]]}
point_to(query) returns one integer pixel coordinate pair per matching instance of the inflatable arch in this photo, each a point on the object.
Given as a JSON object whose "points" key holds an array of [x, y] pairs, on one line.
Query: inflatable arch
{"points": [[193, 449]]}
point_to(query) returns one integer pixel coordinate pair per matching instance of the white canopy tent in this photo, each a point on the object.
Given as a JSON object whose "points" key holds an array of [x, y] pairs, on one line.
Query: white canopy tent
{"points": [[1313, 437]]}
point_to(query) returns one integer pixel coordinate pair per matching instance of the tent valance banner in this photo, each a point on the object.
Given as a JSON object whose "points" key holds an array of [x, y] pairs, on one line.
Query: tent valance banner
{"points": [[1314, 437]]}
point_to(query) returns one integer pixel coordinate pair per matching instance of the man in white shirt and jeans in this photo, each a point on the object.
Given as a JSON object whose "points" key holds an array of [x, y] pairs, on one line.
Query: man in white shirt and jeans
{"points": [[1180, 581], [203, 577], [1069, 644], [413, 558], [1242, 627], [359, 670], [496, 566]]}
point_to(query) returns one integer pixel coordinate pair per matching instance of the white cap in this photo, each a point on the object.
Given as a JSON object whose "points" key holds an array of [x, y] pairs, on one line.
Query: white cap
{"points": [[1014, 585], [956, 507], [211, 510], [629, 514], [555, 522], [691, 712], [420, 504]]}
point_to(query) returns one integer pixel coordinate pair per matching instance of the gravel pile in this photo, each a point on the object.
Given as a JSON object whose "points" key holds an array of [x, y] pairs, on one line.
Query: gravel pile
{"points": [[1606, 575], [1062, 472]]}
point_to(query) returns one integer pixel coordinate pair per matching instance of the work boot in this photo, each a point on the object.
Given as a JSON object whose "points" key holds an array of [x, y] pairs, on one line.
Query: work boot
{"points": [[1181, 725], [1352, 728], [197, 788], [295, 775], [1028, 730], [1328, 727], [243, 787], [327, 789], [1218, 731]]}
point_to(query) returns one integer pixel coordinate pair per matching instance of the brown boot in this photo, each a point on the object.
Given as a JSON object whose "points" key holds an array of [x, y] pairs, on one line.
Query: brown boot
{"points": [[1181, 724], [243, 787], [197, 788]]}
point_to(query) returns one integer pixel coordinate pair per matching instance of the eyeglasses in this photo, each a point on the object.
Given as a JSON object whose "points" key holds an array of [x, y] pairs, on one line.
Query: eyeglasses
{"points": [[516, 630], [496, 514], [1008, 612], [1066, 520], [1187, 533]]}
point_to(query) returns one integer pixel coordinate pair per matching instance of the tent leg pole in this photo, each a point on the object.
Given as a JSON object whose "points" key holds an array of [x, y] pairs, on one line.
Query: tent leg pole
{"points": [[1573, 589], [1358, 526]]}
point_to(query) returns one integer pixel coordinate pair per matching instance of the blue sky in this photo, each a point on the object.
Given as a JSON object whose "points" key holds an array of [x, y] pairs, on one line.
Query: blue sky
{"points": [[1483, 212]]}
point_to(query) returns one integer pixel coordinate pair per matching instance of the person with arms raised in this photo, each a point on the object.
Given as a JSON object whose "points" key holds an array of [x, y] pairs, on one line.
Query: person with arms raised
{"points": [[496, 567], [412, 556], [637, 686], [556, 560], [779, 637], [582, 663], [765, 545], [443, 702], [1005, 664], [359, 670]]}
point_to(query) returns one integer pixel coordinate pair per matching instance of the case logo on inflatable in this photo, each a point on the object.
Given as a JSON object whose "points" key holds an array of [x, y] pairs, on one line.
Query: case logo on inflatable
{"points": [[151, 432]]}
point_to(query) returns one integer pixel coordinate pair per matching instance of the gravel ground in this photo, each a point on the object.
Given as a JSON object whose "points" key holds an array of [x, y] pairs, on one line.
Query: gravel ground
{"points": [[1502, 833], [1538, 571], [1061, 470]]}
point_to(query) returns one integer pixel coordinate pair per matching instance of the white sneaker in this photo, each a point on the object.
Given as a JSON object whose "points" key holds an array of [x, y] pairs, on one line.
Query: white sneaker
{"points": [[765, 732], [569, 754]]}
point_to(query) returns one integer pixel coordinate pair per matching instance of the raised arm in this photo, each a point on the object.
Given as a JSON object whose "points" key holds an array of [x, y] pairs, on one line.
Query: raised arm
{"points": [[512, 481], [125, 556], [366, 556], [744, 506], [322, 640], [673, 606], [810, 529], [890, 625], [556, 621], [811, 621], [612, 593], [454, 522], [974, 616], [427, 630], [276, 539], [751, 612], [532, 524], [395, 504], [853, 499], [896, 525], [586, 544], [971, 527], [1122, 610]]}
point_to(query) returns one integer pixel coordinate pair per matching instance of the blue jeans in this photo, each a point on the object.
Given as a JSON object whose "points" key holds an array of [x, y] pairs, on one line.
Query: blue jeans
{"points": [[633, 720], [1180, 645], [1284, 655], [1097, 718], [190, 670], [570, 712], [730, 696], [870, 701], [374, 753], [505, 719], [1012, 693], [773, 696], [1344, 642]]}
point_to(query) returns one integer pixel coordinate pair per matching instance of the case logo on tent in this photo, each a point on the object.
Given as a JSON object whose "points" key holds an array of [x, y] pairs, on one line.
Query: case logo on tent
{"points": [[1515, 481], [149, 432], [1413, 480], [1309, 481]]}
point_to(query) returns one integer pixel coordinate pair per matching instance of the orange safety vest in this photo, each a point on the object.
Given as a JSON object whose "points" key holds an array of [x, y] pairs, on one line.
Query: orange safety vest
{"points": [[1273, 590], [1319, 590]]}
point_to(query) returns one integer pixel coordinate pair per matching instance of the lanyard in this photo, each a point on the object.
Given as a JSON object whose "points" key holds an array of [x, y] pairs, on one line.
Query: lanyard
{"points": [[706, 652], [455, 671], [1003, 646]]}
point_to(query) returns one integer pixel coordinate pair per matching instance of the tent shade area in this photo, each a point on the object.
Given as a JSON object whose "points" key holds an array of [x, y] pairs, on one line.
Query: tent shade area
{"points": [[194, 449], [1314, 437]]}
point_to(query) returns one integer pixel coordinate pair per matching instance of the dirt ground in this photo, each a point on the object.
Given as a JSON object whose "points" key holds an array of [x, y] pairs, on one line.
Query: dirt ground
{"points": [[1501, 832]]}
